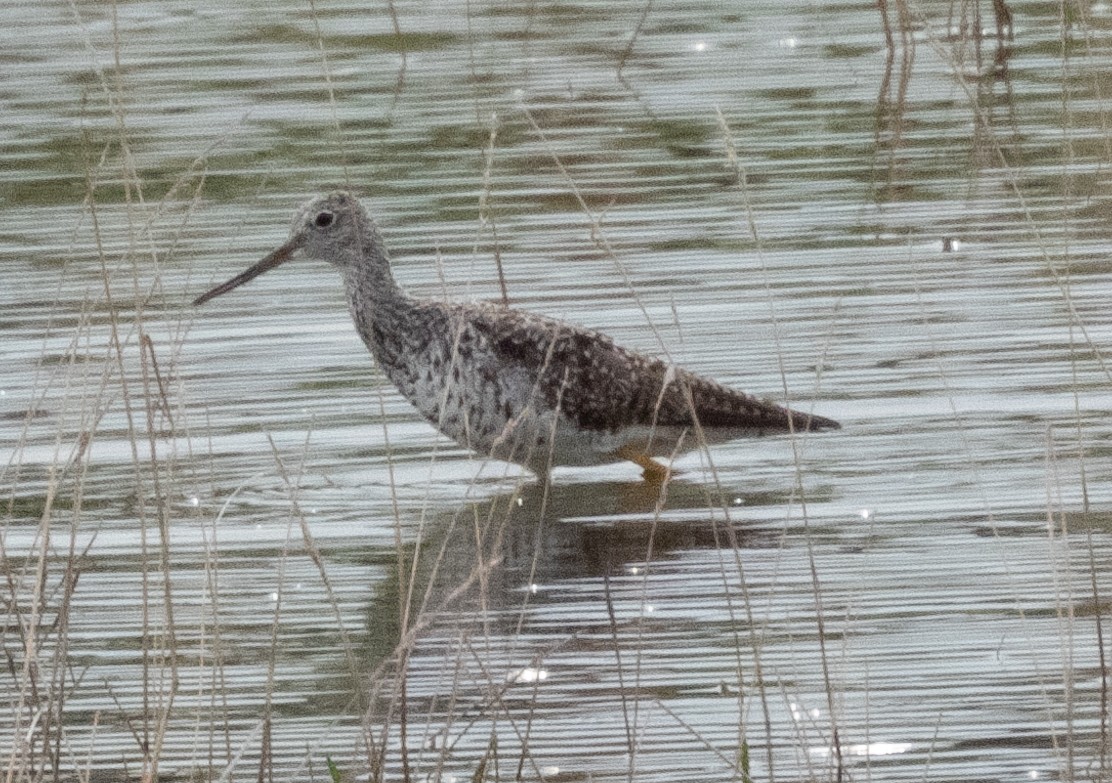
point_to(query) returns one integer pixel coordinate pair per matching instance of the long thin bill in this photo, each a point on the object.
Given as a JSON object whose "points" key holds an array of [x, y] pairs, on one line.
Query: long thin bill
{"points": [[277, 258]]}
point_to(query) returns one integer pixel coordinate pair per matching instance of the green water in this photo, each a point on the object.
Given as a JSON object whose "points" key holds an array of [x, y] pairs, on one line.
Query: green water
{"points": [[930, 232]]}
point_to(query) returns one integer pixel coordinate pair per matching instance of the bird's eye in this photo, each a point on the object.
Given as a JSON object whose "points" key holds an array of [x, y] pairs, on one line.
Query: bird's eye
{"points": [[324, 219]]}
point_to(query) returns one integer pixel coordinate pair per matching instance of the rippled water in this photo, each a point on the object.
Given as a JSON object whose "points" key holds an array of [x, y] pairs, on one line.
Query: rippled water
{"points": [[237, 510]]}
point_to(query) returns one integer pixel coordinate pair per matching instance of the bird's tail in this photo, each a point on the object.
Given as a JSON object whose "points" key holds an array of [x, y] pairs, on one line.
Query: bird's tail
{"points": [[802, 422]]}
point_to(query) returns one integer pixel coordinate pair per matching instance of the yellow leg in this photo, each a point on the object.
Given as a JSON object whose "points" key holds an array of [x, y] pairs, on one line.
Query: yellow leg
{"points": [[651, 470]]}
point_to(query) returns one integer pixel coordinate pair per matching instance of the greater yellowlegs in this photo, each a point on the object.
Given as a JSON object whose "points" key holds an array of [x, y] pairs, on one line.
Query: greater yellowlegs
{"points": [[514, 385]]}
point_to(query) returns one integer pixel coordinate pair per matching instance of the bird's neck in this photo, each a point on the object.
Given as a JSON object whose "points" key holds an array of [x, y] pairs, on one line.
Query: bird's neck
{"points": [[380, 308]]}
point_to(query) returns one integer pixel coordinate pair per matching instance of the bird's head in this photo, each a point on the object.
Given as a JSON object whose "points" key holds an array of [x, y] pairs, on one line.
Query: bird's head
{"points": [[333, 228]]}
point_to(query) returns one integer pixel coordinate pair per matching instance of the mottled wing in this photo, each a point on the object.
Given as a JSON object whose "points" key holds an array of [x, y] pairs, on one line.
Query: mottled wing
{"points": [[605, 387]]}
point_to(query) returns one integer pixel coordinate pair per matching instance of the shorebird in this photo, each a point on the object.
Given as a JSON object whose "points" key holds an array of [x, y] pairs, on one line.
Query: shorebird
{"points": [[514, 385]]}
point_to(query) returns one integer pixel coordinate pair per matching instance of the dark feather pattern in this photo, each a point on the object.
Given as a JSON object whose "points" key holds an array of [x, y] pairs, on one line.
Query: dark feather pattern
{"points": [[605, 387]]}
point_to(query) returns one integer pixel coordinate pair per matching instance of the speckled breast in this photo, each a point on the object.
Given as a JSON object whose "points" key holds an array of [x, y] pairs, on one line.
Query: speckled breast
{"points": [[461, 386]]}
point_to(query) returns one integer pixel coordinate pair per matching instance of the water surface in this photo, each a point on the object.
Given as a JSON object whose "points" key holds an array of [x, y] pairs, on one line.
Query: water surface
{"points": [[242, 495]]}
